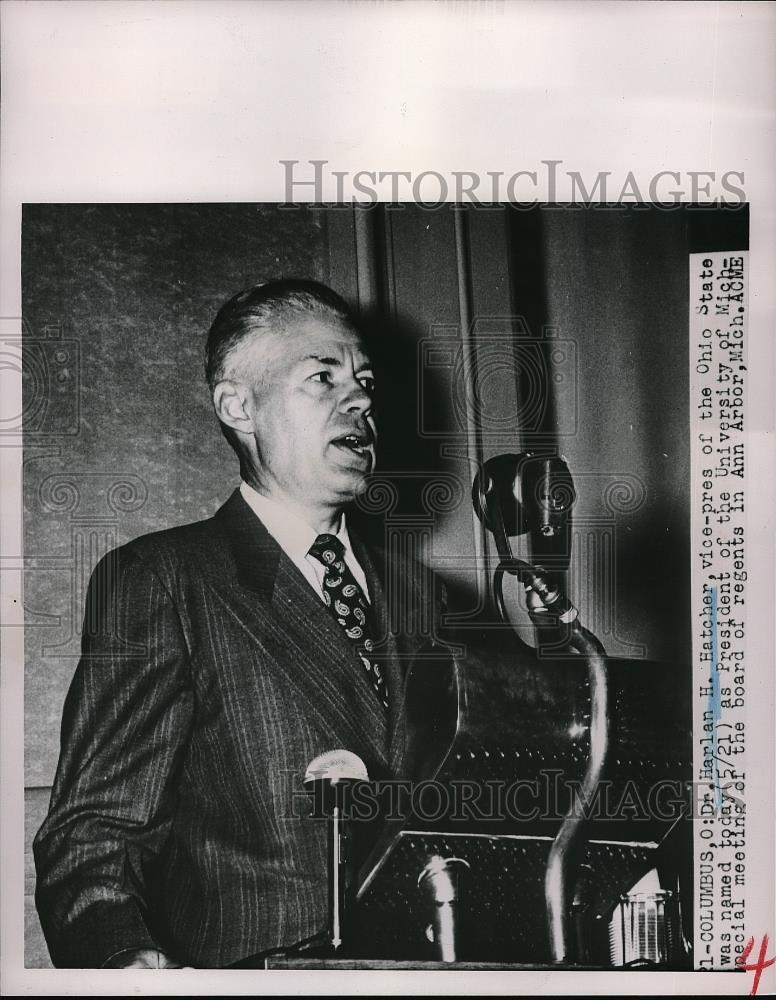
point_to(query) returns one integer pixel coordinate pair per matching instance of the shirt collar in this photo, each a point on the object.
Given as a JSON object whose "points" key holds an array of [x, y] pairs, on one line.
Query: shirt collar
{"points": [[292, 533]]}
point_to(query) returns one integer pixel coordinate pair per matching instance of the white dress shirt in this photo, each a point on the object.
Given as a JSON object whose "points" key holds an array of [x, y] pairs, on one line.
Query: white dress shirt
{"points": [[295, 537]]}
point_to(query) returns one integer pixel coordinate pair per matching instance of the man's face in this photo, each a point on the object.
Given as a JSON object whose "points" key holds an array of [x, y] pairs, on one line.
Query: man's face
{"points": [[312, 412]]}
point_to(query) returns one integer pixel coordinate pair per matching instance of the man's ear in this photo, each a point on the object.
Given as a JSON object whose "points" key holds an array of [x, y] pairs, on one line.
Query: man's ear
{"points": [[230, 400]]}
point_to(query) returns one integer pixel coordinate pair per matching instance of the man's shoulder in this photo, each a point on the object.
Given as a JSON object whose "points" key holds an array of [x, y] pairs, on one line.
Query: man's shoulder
{"points": [[197, 544], [180, 538]]}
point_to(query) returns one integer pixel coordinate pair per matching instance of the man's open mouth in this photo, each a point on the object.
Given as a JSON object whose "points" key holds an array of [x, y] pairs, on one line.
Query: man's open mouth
{"points": [[357, 442]]}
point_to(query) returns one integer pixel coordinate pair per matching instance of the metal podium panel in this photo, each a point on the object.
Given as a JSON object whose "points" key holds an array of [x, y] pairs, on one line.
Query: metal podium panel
{"points": [[500, 906], [498, 716]]}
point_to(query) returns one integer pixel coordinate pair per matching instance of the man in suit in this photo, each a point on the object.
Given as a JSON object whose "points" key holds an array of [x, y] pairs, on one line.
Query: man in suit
{"points": [[219, 658]]}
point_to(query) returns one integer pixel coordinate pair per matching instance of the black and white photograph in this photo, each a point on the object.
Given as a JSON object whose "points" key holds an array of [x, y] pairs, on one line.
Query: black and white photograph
{"points": [[387, 566], [484, 451]]}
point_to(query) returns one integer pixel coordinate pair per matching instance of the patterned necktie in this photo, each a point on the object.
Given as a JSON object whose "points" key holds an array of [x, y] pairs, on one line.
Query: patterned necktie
{"points": [[346, 602]]}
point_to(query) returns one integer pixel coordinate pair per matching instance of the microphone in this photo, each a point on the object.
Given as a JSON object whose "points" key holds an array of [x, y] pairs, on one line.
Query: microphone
{"points": [[336, 766], [328, 776], [440, 880], [515, 494]]}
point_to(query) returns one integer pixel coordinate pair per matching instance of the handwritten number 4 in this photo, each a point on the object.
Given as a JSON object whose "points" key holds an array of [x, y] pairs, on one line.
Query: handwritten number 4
{"points": [[758, 966]]}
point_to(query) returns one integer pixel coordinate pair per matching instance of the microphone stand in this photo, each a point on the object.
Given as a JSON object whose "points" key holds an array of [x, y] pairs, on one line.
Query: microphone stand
{"points": [[329, 777], [336, 867], [544, 599]]}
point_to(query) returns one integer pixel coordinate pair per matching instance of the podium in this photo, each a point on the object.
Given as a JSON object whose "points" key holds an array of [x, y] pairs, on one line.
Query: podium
{"points": [[499, 721]]}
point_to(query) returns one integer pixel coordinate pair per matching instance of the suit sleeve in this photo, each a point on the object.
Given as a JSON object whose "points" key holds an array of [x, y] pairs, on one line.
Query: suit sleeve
{"points": [[125, 727]]}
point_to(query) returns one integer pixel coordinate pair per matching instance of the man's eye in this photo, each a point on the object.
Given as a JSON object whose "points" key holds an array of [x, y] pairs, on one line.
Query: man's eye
{"points": [[368, 383], [324, 377]]}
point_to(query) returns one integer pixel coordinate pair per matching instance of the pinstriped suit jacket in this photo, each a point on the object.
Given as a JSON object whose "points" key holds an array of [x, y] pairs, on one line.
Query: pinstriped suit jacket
{"points": [[211, 675]]}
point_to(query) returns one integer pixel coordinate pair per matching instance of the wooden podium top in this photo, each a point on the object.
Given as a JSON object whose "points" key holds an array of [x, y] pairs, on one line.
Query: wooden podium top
{"points": [[345, 964]]}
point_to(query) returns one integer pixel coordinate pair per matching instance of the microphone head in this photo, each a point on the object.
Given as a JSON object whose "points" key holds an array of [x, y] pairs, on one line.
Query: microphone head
{"points": [[335, 766], [530, 493], [549, 489]]}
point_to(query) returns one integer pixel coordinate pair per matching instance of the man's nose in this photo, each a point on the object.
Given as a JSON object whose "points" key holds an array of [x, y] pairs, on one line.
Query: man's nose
{"points": [[356, 399]]}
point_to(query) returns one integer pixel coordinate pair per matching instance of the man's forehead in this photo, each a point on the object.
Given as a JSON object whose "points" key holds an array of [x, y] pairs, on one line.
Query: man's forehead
{"points": [[310, 338]]}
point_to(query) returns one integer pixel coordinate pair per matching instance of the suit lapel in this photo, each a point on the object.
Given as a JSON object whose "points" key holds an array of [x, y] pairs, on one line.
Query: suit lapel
{"points": [[401, 630], [337, 667], [309, 645], [255, 553]]}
